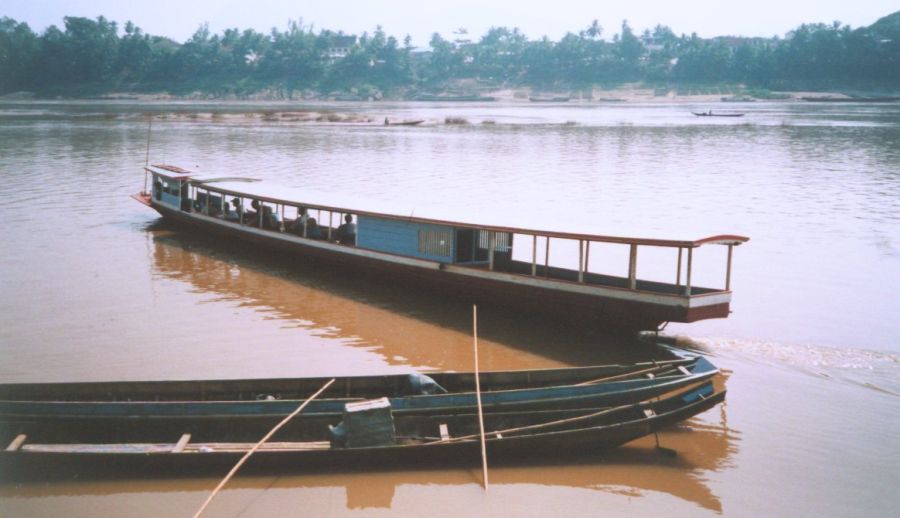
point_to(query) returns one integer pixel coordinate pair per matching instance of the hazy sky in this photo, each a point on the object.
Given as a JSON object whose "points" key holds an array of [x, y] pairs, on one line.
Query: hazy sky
{"points": [[178, 19]]}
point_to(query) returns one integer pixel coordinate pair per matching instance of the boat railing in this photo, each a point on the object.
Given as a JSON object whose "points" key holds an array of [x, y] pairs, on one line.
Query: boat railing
{"points": [[683, 285], [498, 239]]}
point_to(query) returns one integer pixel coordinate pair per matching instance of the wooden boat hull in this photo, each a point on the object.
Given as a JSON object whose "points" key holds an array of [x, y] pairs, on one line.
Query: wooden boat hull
{"points": [[718, 114], [23, 410], [619, 309], [404, 123], [453, 98], [556, 434]]}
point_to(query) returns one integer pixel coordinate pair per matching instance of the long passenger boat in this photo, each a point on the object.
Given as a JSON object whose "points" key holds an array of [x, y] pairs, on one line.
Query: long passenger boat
{"points": [[467, 259], [147, 407], [382, 440]]}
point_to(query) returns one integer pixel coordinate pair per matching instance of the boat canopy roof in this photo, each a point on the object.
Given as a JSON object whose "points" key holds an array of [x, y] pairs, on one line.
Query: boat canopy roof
{"points": [[437, 213]]}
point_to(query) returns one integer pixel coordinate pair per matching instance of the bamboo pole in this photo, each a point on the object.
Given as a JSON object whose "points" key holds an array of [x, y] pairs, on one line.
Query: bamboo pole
{"points": [[478, 397], [147, 159], [256, 447], [643, 372], [539, 426]]}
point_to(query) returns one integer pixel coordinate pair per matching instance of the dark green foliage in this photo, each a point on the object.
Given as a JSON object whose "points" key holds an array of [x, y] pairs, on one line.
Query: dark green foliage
{"points": [[91, 56], [18, 52]]}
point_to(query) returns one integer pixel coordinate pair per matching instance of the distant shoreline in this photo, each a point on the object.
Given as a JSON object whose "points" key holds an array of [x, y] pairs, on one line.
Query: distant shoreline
{"points": [[636, 94]]}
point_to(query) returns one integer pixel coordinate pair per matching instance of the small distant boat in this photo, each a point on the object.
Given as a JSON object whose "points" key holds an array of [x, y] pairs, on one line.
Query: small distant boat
{"points": [[388, 122], [453, 98], [710, 113], [365, 434], [549, 99], [738, 99]]}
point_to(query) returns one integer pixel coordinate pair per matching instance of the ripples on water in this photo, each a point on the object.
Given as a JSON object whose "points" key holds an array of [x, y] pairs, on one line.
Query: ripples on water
{"points": [[94, 288], [815, 186], [870, 369]]}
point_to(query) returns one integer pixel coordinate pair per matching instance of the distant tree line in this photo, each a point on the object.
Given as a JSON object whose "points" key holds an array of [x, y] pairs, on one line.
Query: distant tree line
{"points": [[94, 56]]}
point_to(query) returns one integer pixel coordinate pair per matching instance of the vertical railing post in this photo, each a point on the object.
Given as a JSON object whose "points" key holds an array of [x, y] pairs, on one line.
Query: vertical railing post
{"points": [[547, 259], [491, 244], [632, 267], [330, 223], [206, 204], [678, 273], [690, 260], [580, 260], [728, 269], [281, 227], [587, 257], [534, 255]]}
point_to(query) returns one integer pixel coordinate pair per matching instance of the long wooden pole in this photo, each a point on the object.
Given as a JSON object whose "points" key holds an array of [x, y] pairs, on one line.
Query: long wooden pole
{"points": [[256, 447], [478, 397], [147, 158]]}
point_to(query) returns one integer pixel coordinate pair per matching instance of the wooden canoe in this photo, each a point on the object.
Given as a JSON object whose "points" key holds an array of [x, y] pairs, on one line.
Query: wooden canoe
{"points": [[711, 114], [23, 406], [307, 442]]}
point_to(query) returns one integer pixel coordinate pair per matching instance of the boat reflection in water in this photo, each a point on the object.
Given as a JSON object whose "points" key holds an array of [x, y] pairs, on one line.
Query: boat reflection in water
{"points": [[406, 328]]}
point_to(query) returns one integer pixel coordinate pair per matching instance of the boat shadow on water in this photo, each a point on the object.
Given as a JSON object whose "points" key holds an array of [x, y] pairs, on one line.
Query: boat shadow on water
{"points": [[370, 310]]}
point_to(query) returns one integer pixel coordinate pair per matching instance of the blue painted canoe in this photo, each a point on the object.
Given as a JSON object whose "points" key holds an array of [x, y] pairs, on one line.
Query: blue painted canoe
{"points": [[228, 399]]}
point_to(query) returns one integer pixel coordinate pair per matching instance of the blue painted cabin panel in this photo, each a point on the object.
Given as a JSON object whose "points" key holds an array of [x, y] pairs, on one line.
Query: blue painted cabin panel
{"points": [[170, 199], [433, 242]]}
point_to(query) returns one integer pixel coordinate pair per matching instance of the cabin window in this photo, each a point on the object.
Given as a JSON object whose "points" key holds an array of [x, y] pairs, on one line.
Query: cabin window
{"points": [[434, 242], [172, 188]]}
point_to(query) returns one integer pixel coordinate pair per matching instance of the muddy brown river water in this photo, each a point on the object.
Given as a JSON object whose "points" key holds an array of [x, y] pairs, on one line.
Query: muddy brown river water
{"points": [[97, 287]]}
